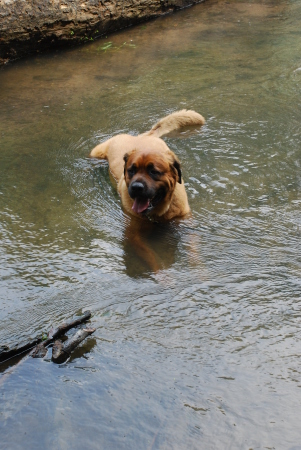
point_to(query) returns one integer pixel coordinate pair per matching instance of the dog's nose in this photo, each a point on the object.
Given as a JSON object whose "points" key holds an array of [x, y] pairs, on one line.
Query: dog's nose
{"points": [[137, 188]]}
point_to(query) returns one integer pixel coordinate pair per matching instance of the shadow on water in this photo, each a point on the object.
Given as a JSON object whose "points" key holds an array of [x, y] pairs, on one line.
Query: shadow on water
{"points": [[206, 350]]}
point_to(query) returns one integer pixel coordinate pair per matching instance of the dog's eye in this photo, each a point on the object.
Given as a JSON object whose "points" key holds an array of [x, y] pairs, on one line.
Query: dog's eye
{"points": [[131, 171], [153, 172]]}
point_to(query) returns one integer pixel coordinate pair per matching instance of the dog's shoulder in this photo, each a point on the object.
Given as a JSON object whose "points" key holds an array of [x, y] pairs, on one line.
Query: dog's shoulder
{"points": [[179, 206]]}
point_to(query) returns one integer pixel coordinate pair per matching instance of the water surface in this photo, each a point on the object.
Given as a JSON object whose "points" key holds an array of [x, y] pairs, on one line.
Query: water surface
{"points": [[206, 353]]}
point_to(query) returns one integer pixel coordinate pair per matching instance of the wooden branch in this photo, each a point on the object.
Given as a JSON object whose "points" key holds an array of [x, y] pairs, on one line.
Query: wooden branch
{"points": [[64, 327], [7, 353], [61, 351], [38, 344]]}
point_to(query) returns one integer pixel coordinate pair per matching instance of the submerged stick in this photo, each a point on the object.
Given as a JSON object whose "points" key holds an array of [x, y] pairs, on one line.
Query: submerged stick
{"points": [[7, 353], [53, 334], [61, 351]]}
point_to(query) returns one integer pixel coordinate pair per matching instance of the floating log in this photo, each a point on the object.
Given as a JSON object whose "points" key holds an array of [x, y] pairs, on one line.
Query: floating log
{"points": [[61, 351]]}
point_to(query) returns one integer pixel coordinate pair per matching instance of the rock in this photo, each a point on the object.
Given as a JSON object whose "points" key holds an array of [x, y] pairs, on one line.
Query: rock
{"points": [[37, 25]]}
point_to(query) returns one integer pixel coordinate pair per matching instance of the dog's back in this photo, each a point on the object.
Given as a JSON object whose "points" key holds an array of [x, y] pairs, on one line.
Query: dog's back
{"points": [[115, 148]]}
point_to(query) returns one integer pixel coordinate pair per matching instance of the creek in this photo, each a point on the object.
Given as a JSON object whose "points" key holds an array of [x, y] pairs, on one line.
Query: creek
{"points": [[205, 353]]}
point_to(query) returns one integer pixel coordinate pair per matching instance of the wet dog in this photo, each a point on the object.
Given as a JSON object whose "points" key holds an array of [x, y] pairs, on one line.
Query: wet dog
{"points": [[148, 173]]}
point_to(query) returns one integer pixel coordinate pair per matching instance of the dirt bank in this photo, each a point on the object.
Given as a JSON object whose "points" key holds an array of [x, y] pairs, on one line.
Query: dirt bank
{"points": [[37, 25]]}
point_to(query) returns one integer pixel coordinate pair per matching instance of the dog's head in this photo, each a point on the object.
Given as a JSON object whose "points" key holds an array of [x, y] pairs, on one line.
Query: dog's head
{"points": [[151, 178]]}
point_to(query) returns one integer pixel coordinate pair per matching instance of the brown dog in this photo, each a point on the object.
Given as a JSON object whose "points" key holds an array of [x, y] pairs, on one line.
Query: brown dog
{"points": [[148, 173]]}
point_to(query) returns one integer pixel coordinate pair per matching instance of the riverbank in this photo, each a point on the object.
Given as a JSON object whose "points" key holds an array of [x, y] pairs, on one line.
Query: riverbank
{"points": [[39, 25]]}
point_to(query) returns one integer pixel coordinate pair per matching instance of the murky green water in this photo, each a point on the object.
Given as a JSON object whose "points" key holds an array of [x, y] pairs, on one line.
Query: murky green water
{"points": [[206, 354]]}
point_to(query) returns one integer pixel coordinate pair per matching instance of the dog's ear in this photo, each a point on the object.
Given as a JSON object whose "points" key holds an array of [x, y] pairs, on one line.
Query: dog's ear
{"points": [[125, 158], [177, 166]]}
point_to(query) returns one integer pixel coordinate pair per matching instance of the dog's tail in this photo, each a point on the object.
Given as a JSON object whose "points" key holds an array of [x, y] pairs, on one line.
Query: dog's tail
{"points": [[175, 121]]}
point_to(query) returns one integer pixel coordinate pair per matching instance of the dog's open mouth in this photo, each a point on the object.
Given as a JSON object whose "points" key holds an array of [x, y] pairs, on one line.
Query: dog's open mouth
{"points": [[141, 205], [144, 205]]}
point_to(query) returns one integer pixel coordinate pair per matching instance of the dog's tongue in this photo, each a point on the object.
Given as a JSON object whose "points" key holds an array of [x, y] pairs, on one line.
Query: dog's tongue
{"points": [[140, 205]]}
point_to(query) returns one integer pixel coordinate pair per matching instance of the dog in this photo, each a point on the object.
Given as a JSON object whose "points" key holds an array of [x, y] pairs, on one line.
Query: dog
{"points": [[148, 173]]}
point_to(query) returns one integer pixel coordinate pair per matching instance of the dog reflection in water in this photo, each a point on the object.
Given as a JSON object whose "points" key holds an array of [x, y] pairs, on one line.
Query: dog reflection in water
{"points": [[149, 178]]}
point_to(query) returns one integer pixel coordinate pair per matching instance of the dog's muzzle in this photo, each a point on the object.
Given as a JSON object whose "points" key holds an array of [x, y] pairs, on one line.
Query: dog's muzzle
{"points": [[142, 196], [145, 199]]}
